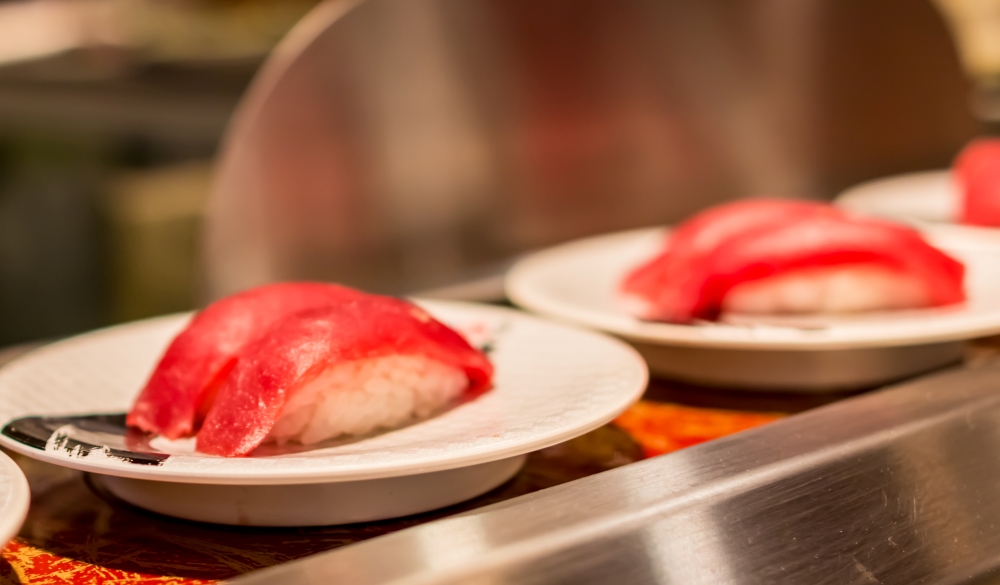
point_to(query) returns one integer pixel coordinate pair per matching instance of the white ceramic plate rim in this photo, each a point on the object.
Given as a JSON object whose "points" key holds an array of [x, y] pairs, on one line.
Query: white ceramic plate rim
{"points": [[14, 509], [636, 377], [525, 280], [927, 199], [920, 197]]}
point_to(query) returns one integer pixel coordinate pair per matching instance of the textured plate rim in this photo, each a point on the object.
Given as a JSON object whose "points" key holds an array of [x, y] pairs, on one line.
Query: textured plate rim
{"points": [[520, 288], [471, 456], [15, 509]]}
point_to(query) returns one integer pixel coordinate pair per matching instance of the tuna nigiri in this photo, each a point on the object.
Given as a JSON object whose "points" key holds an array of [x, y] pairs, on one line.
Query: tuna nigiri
{"points": [[369, 363], [977, 174], [304, 362], [769, 256], [175, 398]]}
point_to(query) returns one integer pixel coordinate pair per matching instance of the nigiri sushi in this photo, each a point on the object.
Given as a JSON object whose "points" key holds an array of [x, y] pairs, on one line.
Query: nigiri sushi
{"points": [[342, 362], [772, 256], [370, 363], [174, 399], [665, 276], [977, 174]]}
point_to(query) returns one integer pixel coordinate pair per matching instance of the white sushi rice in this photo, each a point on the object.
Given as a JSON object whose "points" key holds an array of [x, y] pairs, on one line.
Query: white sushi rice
{"points": [[837, 289], [355, 398]]}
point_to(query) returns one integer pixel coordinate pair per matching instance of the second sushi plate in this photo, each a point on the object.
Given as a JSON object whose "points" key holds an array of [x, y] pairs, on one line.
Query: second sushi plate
{"points": [[578, 282], [552, 383], [929, 196]]}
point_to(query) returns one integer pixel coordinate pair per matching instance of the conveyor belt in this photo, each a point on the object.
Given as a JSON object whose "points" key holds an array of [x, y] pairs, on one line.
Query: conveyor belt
{"points": [[896, 486]]}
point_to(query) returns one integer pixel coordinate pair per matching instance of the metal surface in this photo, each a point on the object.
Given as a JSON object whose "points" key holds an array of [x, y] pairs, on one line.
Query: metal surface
{"points": [[405, 144], [898, 486]]}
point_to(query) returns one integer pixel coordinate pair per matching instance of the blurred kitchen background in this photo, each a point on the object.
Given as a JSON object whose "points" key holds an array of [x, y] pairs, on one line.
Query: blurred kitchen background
{"points": [[410, 144]]}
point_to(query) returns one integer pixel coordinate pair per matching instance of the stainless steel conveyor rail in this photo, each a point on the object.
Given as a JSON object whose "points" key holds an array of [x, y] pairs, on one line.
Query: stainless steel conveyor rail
{"points": [[899, 486]]}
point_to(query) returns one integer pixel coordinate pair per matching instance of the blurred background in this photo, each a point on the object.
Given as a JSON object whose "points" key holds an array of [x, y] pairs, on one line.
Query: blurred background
{"points": [[111, 112], [401, 145]]}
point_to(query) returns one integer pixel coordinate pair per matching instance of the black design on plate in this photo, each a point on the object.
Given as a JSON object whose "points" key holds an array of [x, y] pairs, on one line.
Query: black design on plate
{"points": [[85, 435], [488, 345]]}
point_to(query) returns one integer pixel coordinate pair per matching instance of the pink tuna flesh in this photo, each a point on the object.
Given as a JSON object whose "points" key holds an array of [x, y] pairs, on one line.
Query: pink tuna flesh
{"points": [[314, 350], [180, 389], [977, 172]]}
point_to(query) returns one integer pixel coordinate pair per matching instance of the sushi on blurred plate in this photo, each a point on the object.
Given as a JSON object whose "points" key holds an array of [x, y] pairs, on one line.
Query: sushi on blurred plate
{"points": [[776, 294], [767, 256], [966, 194], [977, 177]]}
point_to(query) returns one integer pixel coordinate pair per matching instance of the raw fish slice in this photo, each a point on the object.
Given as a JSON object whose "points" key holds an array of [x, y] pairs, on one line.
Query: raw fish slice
{"points": [[711, 227], [309, 345], [663, 280], [977, 170], [177, 395], [893, 259]]}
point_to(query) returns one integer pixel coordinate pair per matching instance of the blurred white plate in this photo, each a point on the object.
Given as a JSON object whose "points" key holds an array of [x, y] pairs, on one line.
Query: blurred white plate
{"points": [[577, 283], [14, 499], [552, 383], [929, 196]]}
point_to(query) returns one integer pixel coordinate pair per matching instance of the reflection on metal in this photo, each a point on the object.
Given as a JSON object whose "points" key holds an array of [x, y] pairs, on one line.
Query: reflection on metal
{"points": [[900, 486], [406, 144]]}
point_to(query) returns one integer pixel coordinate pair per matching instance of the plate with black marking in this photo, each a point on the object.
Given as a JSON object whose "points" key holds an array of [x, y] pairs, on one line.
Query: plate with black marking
{"points": [[65, 404]]}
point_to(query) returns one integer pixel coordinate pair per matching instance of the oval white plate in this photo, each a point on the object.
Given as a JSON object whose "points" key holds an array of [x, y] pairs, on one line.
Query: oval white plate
{"points": [[929, 196], [577, 282], [552, 383], [14, 499]]}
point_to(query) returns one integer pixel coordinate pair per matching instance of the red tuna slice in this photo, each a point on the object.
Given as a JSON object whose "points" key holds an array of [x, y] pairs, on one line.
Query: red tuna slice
{"points": [[302, 346], [180, 389], [822, 241], [977, 170], [661, 282]]}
